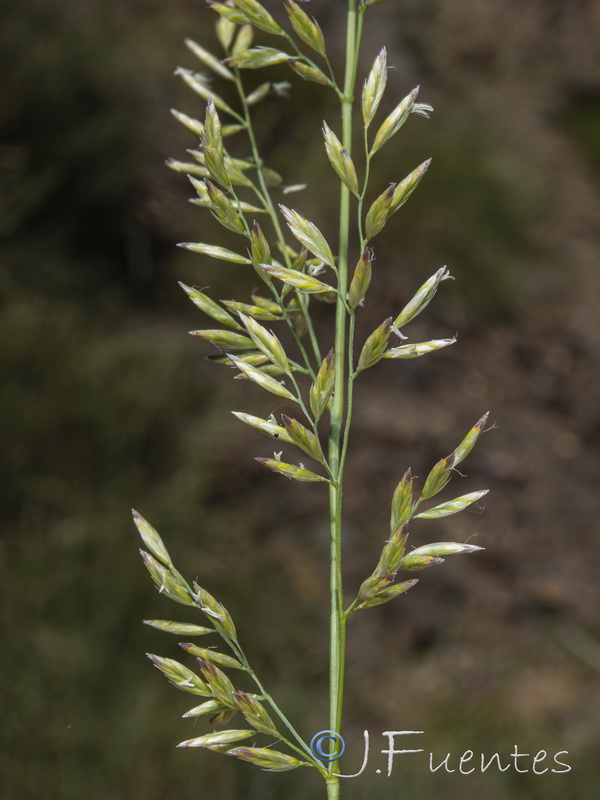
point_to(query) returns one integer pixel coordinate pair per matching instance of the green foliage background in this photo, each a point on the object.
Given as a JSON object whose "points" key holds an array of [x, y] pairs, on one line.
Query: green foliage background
{"points": [[107, 403]]}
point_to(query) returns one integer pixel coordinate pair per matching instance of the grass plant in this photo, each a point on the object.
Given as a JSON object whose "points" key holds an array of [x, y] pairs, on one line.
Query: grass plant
{"points": [[298, 266]]}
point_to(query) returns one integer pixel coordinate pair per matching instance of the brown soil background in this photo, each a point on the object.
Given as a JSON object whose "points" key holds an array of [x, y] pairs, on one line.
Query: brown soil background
{"points": [[109, 404]]}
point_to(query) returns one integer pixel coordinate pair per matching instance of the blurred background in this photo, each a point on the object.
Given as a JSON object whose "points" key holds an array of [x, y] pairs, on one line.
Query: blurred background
{"points": [[107, 403]]}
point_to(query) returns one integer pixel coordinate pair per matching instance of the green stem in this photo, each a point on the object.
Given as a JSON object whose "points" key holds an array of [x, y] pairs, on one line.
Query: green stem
{"points": [[299, 368], [337, 621], [350, 390], [361, 199]]}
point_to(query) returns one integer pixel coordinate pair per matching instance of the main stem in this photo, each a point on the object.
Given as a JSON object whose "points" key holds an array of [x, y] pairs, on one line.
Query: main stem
{"points": [[337, 624]]}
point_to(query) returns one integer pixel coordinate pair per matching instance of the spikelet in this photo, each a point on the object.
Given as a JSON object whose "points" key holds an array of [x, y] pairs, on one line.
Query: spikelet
{"points": [[209, 60], [374, 87], [374, 348], [255, 713], [298, 280], [167, 581], [452, 506], [306, 28], [266, 342], [220, 685], [210, 308], [304, 439], [258, 16], [290, 470], [218, 739], [470, 440], [258, 58], [309, 235], [204, 654], [228, 12], [308, 72], [360, 280], [180, 628], [200, 87], [258, 94], [214, 251], [264, 425], [340, 160], [261, 378], [402, 502], [422, 298], [418, 349], [151, 539], [216, 612], [267, 759], [208, 707], [438, 477], [322, 388], [180, 676]]}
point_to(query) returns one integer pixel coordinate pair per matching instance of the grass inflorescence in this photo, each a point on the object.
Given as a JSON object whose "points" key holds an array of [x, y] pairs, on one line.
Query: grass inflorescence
{"points": [[298, 265]]}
